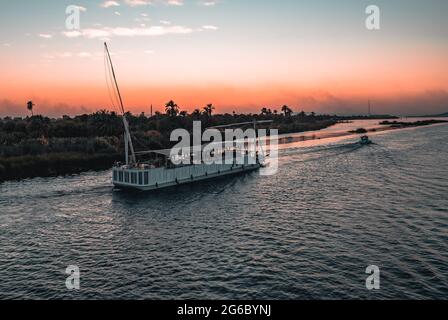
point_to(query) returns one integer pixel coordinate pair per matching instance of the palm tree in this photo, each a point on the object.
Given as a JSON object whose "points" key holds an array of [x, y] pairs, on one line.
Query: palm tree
{"points": [[208, 110], [30, 106], [266, 112], [171, 108], [106, 124], [286, 110]]}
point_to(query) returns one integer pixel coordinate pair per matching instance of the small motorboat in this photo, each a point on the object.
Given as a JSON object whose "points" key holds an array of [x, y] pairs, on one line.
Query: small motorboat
{"points": [[365, 141]]}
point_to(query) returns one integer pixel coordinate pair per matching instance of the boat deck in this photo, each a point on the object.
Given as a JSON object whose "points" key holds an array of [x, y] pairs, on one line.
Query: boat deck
{"points": [[143, 178]]}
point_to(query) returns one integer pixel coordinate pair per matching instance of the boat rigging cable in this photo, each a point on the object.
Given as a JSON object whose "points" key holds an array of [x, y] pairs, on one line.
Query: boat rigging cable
{"points": [[117, 94], [113, 95], [108, 77]]}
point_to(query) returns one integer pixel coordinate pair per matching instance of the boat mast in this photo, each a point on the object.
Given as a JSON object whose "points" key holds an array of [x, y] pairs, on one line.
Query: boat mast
{"points": [[127, 136]]}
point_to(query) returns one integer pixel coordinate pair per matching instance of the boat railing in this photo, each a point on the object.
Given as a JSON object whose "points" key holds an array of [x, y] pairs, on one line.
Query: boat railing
{"points": [[247, 158]]}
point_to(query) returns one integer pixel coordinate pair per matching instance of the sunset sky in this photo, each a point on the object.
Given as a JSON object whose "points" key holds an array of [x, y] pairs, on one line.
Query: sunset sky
{"points": [[240, 55]]}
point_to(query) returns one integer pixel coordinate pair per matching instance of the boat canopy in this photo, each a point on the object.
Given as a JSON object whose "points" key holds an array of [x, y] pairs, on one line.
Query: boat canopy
{"points": [[193, 150], [224, 145], [164, 152], [241, 124]]}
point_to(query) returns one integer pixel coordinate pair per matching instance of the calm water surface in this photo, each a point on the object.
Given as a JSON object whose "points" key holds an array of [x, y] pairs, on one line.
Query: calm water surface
{"points": [[308, 232]]}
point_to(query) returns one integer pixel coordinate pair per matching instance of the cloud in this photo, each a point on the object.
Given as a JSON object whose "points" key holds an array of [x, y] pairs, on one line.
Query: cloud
{"points": [[128, 32], [108, 4], [55, 55], [175, 2], [84, 54], [428, 102], [136, 3], [72, 34], [422, 103], [10, 108], [209, 3], [144, 18], [81, 8], [45, 35], [68, 54], [209, 27]]}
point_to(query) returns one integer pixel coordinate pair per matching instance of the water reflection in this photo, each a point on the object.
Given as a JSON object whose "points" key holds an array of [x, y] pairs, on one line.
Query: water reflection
{"points": [[307, 232]]}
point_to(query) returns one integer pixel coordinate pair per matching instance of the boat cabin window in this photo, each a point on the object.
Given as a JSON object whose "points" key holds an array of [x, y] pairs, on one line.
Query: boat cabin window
{"points": [[146, 178], [134, 178], [126, 177], [120, 176], [115, 175], [140, 178]]}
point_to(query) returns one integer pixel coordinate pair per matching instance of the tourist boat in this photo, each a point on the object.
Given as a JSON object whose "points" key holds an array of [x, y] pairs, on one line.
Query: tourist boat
{"points": [[365, 141], [161, 173], [158, 171]]}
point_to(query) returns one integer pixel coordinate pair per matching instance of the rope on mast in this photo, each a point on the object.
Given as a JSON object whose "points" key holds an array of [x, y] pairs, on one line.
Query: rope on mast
{"points": [[125, 122], [108, 76]]}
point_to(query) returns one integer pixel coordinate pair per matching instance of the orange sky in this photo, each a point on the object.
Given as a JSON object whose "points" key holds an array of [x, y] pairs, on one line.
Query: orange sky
{"points": [[268, 57]]}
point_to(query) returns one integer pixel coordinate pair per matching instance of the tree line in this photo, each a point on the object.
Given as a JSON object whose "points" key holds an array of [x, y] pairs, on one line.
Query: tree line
{"points": [[39, 146]]}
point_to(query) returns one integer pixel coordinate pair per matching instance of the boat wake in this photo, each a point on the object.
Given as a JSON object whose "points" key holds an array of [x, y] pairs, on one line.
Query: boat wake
{"points": [[326, 151]]}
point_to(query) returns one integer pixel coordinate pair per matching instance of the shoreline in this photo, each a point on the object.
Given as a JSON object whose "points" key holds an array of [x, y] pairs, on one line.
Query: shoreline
{"points": [[72, 163], [382, 127], [60, 147], [53, 165]]}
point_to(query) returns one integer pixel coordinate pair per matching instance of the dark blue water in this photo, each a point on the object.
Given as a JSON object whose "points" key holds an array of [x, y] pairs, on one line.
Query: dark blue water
{"points": [[308, 232]]}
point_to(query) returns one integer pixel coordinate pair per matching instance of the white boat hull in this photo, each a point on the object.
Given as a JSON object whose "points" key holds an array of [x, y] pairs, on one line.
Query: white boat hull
{"points": [[156, 179]]}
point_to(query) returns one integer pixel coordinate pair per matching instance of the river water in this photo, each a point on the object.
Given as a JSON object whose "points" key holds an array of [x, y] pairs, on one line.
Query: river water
{"points": [[308, 232]]}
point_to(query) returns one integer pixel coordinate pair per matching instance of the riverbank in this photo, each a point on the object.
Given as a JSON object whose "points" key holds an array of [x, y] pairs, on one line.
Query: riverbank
{"points": [[46, 157], [400, 124], [53, 164], [381, 127], [42, 147]]}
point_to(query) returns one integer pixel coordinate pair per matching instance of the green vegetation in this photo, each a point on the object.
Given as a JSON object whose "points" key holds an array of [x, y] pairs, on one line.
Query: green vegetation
{"points": [[53, 164], [397, 124], [441, 115], [40, 146], [359, 131]]}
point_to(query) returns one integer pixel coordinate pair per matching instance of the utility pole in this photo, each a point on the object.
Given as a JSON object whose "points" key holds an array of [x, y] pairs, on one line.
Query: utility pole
{"points": [[151, 110]]}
